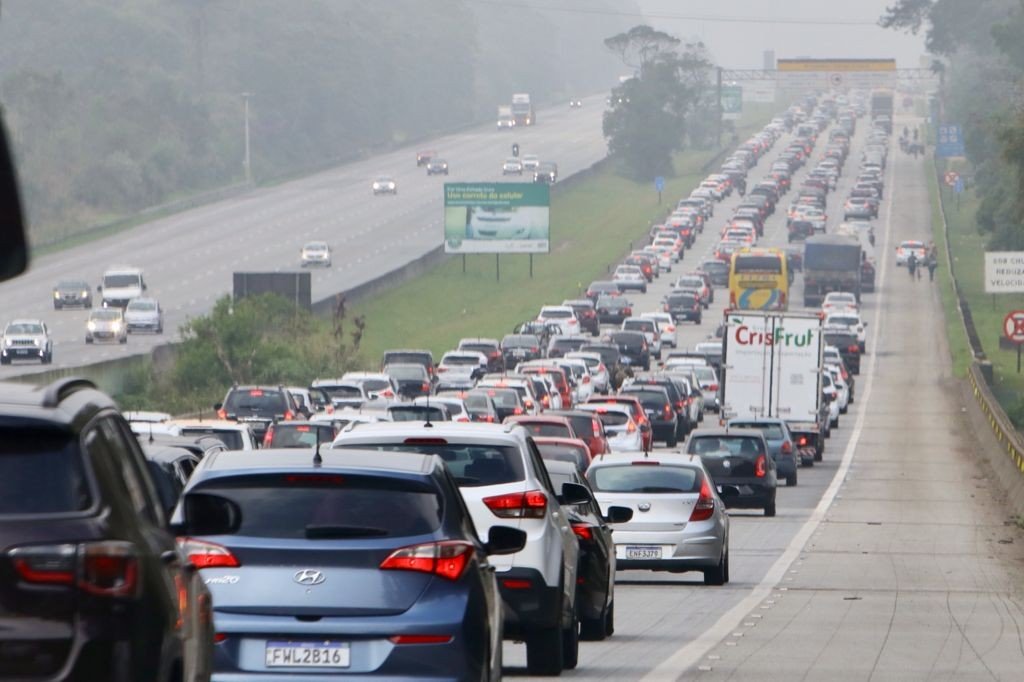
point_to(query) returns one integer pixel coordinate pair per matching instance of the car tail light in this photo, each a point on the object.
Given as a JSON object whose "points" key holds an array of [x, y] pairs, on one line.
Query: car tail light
{"points": [[45, 564], [666, 308], [288, 415], [420, 639], [463, 419], [489, 419], [516, 583], [712, 387], [534, 349], [842, 370], [801, 441], [787, 447], [584, 531], [517, 411], [106, 568], [627, 311], [529, 505], [668, 410], [546, 400], [631, 427], [446, 559], [268, 436], [203, 554], [853, 349], [760, 466], [705, 505], [425, 387]]}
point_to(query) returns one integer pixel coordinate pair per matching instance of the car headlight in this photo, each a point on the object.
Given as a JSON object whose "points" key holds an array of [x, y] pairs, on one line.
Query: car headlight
{"points": [[376, 185], [391, 185], [56, 294], [85, 293], [91, 326], [116, 326]]}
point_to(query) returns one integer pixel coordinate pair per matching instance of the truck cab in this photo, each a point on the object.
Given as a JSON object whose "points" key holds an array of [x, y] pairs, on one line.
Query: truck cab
{"points": [[120, 284]]}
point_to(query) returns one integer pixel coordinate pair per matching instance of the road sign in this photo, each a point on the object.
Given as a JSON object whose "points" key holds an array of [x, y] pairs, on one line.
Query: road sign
{"points": [[950, 178], [958, 186], [659, 183], [949, 142], [732, 102], [1013, 326], [1004, 272], [835, 80]]}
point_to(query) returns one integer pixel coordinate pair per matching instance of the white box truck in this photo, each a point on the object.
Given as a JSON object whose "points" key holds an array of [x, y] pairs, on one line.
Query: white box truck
{"points": [[772, 366]]}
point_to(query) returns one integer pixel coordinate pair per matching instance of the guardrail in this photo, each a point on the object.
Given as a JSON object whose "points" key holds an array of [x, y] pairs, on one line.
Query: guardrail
{"points": [[979, 374]]}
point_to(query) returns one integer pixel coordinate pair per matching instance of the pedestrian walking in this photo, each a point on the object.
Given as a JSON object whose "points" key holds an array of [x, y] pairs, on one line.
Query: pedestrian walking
{"points": [[933, 263], [912, 265]]}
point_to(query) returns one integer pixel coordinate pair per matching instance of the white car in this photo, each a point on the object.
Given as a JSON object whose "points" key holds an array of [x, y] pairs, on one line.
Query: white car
{"points": [[315, 253], [666, 328], [104, 324], [599, 376], [832, 391], [679, 523], [622, 432], [649, 329], [384, 184], [377, 385], [343, 392], [512, 166], [530, 162], [842, 390], [235, 435], [836, 301], [456, 406], [583, 382], [505, 484], [459, 369], [851, 320], [561, 315], [908, 247], [630, 277], [28, 339], [144, 314]]}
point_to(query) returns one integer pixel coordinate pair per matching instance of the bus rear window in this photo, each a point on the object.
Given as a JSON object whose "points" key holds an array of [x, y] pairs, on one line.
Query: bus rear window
{"points": [[771, 264]]}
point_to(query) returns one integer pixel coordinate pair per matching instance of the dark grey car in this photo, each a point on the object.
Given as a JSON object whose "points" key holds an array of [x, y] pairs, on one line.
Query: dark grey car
{"points": [[72, 292], [738, 457]]}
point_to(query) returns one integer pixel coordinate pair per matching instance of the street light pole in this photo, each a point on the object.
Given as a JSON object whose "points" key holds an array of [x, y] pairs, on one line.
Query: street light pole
{"points": [[247, 161]]}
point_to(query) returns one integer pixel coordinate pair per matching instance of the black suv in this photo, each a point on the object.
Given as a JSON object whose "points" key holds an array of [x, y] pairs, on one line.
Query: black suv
{"points": [[633, 348], [92, 586], [259, 405]]}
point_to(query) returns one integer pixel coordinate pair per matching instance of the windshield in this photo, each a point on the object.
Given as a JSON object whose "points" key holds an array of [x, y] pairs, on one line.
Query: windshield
{"points": [[119, 281], [105, 315], [141, 305], [644, 479], [24, 328], [407, 372], [472, 465]]}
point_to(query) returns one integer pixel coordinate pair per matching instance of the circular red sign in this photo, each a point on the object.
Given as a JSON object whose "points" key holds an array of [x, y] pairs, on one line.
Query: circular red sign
{"points": [[1013, 326], [951, 177]]}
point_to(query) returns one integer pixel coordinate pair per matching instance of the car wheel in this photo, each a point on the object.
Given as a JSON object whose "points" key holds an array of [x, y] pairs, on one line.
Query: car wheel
{"points": [[844, 410], [791, 479], [544, 651], [595, 629], [718, 574], [672, 441], [128, 331], [834, 424], [56, 306], [160, 329], [697, 321], [88, 339], [819, 453], [643, 290], [5, 361], [769, 509], [124, 339]]}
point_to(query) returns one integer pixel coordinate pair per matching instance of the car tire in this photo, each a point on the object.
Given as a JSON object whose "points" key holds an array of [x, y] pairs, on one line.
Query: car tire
{"points": [[643, 290], [672, 441], [5, 361], [544, 651], [697, 321], [160, 329], [834, 424], [128, 331], [844, 410], [571, 643], [124, 339], [791, 480], [719, 575], [769, 509], [88, 339], [57, 306]]}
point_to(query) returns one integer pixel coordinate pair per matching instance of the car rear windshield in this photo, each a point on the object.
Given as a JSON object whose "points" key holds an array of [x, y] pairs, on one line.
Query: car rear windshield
{"points": [[231, 438], [556, 314], [635, 478], [681, 300], [649, 399], [485, 348], [41, 472], [629, 339], [548, 430], [613, 418], [417, 413], [840, 340], [343, 391], [460, 360], [407, 372], [520, 341], [315, 507], [299, 435], [609, 354], [392, 358], [639, 325], [770, 431], [725, 446], [504, 398], [255, 400], [472, 465]]}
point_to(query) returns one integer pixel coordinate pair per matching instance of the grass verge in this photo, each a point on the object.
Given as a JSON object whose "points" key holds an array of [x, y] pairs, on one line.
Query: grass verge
{"points": [[594, 223], [968, 246]]}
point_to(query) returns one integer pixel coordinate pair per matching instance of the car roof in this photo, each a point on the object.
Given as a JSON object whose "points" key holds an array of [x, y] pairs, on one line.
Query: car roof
{"points": [[722, 432], [237, 462], [448, 430], [671, 458]]}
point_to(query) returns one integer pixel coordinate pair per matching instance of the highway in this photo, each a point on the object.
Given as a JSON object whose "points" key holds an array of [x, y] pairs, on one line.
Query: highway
{"points": [[188, 258], [891, 559]]}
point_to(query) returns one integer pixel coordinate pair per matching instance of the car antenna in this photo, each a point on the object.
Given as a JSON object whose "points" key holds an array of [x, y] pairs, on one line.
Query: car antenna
{"points": [[150, 433], [427, 424], [317, 459]]}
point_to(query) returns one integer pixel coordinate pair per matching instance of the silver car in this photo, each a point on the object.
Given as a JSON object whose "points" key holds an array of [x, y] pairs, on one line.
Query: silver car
{"points": [[106, 324], [679, 522], [26, 339], [144, 314], [315, 253]]}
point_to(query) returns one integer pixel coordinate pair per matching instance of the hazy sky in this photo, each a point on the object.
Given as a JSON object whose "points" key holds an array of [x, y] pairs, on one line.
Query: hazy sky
{"points": [[740, 45]]}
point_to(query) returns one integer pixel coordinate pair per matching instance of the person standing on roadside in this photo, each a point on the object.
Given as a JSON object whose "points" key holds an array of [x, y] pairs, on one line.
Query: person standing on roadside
{"points": [[932, 263], [912, 265]]}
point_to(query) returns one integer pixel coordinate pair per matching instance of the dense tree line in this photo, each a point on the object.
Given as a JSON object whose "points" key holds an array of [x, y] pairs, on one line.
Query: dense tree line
{"points": [[981, 46], [115, 105]]}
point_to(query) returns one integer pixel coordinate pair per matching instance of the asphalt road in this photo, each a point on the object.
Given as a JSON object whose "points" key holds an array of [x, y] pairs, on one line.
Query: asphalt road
{"points": [[888, 561], [188, 258]]}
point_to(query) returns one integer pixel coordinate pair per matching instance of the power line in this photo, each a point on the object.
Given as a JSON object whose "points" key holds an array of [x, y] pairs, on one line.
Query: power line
{"points": [[669, 15]]}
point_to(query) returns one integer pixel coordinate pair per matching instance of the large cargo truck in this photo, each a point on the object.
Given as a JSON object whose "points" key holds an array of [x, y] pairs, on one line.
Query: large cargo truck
{"points": [[832, 262], [522, 110]]}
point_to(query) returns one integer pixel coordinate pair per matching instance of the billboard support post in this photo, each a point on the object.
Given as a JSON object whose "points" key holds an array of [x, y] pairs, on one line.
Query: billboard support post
{"points": [[497, 267], [531, 266]]}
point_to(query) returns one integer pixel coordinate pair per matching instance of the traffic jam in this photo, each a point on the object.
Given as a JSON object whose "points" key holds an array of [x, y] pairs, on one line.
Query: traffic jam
{"points": [[431, 518]]}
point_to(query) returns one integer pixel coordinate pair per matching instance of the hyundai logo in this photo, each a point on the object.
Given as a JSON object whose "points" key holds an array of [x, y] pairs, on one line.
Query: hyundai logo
{"points": [[308, 576], [644, 506]]}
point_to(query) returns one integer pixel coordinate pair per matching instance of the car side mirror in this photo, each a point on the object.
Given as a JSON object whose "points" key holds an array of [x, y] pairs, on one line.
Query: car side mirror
{"points": [[14, 255], [574, 493], [618, 515], [504, 540]]}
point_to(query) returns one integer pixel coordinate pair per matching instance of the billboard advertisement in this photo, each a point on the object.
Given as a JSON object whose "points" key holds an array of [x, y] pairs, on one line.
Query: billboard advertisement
{"points": [[497, 217]]}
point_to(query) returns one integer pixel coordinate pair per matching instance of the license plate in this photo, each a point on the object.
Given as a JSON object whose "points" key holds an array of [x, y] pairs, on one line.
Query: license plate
{"points": [[308, 655], [643, 552]]}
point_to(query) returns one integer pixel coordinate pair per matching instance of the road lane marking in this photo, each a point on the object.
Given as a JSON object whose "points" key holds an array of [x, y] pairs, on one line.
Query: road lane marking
{"points": [[688, 655]]}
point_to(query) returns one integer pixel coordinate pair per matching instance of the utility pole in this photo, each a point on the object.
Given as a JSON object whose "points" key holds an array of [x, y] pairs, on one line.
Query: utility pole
{"points": [[247, 160], [718, 107]]}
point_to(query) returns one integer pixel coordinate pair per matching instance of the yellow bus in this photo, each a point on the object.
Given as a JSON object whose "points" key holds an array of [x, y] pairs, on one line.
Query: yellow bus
{"points": [[759, 280]]}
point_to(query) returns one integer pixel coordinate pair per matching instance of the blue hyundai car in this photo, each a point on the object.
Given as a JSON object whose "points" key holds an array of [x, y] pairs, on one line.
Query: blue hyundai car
{"points": [[351, 566]]}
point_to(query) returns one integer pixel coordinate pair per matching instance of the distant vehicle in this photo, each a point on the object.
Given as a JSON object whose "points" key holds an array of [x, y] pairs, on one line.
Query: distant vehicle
{"points": [[144, 314], [315, 253], [120, 284], [424, 157], [72, 292], [738, 458], [522, 110], [759, 280], [547, 173], [530, 162], [505, 118], [512, 166], [831, 263], [437, 167], [28, 340], [384, 184], [575, 103], [106, 324]]}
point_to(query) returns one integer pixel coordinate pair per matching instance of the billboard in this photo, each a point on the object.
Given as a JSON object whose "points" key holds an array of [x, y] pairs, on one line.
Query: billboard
{"points": [[1004, 272], [732, 102], [825, 74], [497, 217], [295, 286]]}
